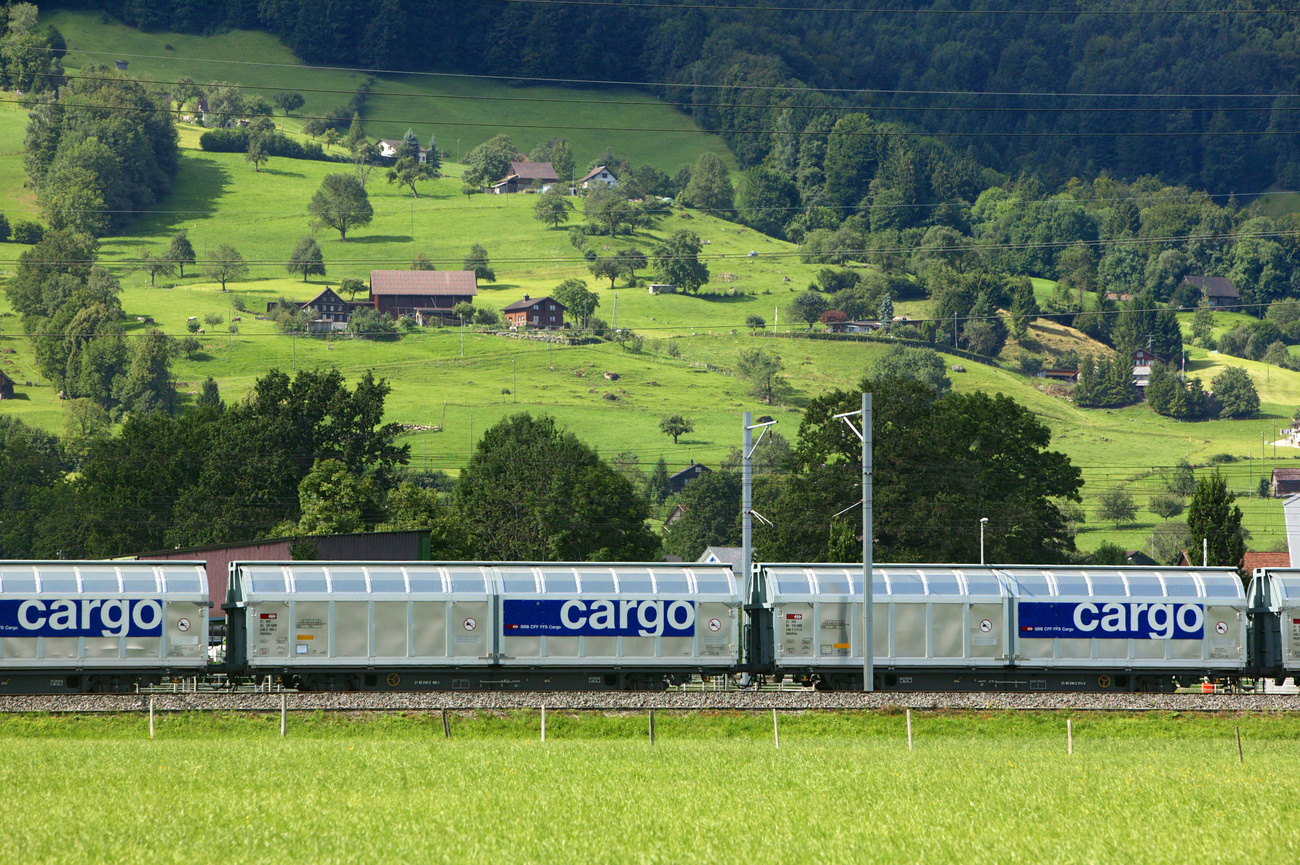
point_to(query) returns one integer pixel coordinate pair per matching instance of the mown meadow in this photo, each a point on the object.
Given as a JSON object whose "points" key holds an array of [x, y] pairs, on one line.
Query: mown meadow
{"points": [[842, 787]]}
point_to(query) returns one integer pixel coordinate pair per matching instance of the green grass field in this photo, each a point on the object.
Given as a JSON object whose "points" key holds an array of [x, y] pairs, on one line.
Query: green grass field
{"points": [[842, 788], [461, 111]]}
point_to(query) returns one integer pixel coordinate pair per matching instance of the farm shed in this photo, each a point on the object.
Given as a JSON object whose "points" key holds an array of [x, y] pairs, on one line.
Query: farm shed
{"points": [[1218, 290], [402, 292], [6, 387], [1286, 482]]}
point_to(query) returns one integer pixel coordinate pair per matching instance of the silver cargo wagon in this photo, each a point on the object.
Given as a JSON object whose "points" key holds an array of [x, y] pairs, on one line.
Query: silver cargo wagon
{"points": [[100, 625]]}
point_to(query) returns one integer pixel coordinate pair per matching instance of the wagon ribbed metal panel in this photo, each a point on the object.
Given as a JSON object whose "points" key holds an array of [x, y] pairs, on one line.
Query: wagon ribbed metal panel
{"points": [[924, 615], [1276, 591], [99, 615], [342, 614], [1134, 617], [600, 615]]}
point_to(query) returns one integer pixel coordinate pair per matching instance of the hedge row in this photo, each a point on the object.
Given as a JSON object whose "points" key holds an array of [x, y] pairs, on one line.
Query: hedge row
{"points": [[274, 143]]}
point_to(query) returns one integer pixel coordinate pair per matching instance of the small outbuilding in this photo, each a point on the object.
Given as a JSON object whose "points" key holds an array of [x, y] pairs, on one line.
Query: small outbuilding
{"points": [[1286, 482], [678, 481], [6, 387]]}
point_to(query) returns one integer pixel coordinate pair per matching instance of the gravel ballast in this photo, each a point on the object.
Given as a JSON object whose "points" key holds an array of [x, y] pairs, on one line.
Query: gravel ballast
{"points": [[639, 701]]}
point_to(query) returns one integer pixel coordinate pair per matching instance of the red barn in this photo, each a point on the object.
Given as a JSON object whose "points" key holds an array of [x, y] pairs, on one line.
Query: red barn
{"points": [[402, 292]]}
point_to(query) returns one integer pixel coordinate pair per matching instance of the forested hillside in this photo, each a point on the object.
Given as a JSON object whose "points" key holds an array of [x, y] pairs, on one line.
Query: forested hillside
{"points": [[1201, 93]]}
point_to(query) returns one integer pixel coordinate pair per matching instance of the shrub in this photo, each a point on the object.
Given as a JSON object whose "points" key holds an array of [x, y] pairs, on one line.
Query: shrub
{"points": [[26, 231], [4, 228]]}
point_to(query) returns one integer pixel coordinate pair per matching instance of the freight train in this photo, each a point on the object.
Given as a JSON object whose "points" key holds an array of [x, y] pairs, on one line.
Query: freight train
{"points": [[73, 627]]}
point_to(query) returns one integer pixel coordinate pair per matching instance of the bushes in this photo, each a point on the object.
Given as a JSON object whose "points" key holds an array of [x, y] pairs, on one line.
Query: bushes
{"points": [[26, 231], [273, 144]]}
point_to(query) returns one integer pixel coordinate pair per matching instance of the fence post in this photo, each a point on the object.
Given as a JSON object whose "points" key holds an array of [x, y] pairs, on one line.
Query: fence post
{"points": [[446, 727], [652, 726], [151, 716], [282, 714], [909, 729], [776, 728], [1241, 758], [1069, 736], [543, 722]]}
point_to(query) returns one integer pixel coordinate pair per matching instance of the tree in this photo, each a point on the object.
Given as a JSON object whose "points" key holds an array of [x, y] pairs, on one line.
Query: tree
{"points": [[155, 265], [755, 322], [552, 207], [1024, 307], [464, 311], [225, 264], [477, 261], [609, 209], [183, 91], [762, 370], [677, 262], [368, 323], [557, 152], [350, 286], [365, 159], [256, 154], [657, 483], [181, 252], [580, 301], [630, 260], [333, 501], [1116, 506], [533, 492], [808, 307], [605, 268], [341, 203], [356, 134], [712, 516], [288, 101], [148, 384], [1235, 393], [1212, 517], [886, 310], [489, 161], [912, 364], [1000, 466], [675, 425], [306, 259], [1165, 505], [408, 171], [710, 186], [1182, 480], [766, 200]]}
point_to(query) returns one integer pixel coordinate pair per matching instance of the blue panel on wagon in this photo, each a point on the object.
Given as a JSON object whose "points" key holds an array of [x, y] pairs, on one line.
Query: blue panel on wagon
{"points": [[81, 617], [597, 618], [1115, 621]]}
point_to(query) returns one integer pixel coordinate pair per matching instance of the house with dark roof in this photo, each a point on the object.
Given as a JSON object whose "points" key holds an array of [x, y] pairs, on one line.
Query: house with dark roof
{"points": [[678, 481], [6, 387], [1218, 290], [428, 292], [526, 175], [598, 176], [543, 313]]}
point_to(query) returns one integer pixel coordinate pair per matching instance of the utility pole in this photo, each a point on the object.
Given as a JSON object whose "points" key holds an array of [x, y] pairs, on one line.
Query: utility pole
{"points": [[514, 366], [747, 512], [868, 599], [462, 337]]}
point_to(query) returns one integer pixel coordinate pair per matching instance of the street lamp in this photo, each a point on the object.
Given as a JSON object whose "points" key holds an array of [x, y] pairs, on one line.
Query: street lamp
{"points": [[983, 520]]}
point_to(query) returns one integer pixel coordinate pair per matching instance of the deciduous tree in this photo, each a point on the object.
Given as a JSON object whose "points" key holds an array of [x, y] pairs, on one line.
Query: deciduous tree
{"points": [[675, 425], [225, 264], [306, 259], [341, 203]]}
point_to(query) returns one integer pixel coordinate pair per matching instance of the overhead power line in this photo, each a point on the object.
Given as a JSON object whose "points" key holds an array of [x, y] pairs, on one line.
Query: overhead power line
{"points": [[887, 10], [694, 105], [611, 82], [874, 133]]}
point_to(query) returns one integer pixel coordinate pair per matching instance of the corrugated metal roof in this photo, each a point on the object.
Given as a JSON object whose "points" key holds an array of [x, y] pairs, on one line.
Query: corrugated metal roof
{"points": [[456, 282], [1214, 286], [532, 171]]}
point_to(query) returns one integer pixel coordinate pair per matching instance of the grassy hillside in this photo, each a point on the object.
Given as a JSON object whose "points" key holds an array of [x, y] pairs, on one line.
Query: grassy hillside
{"points": [[218, 198], [454, 108]]}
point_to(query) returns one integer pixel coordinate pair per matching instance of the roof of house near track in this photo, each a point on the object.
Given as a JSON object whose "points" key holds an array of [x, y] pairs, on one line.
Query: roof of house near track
{"points": [[532, 171], [423, 282], [1214, 286], [1252, 560], [723, 556], [530, 302], [1286, 474]]}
